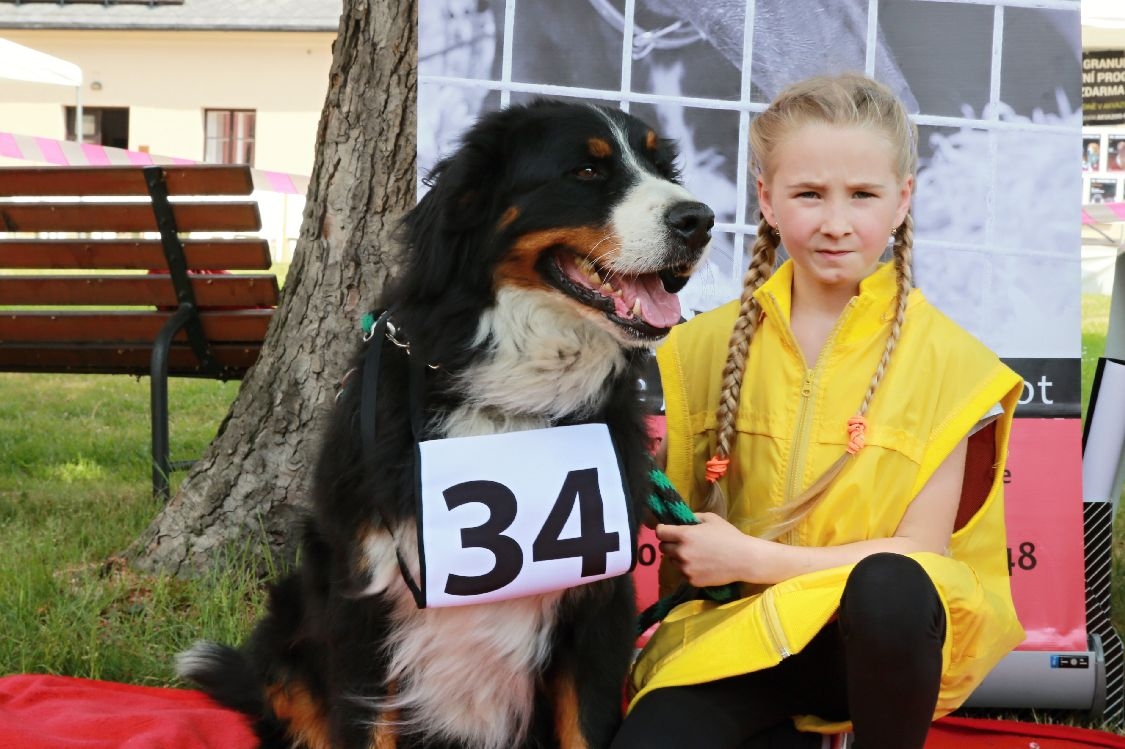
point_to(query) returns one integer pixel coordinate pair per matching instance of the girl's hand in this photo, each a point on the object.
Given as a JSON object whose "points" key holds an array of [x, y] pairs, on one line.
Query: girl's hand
{"points": [[714, 552]]}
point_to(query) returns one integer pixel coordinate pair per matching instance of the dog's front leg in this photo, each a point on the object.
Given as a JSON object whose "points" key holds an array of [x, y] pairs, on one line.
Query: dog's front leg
{"points": [[588, 672]]}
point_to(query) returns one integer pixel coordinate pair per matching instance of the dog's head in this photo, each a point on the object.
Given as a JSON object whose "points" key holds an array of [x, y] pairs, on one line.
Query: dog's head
{"points": [[576, 203]]}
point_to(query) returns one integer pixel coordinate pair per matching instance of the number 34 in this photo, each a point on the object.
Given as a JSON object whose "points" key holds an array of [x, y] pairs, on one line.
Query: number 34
{"points": [[593, 544]]}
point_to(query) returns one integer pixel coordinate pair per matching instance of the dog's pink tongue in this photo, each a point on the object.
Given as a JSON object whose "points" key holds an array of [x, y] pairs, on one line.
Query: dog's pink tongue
{"points": [[659, 308]]}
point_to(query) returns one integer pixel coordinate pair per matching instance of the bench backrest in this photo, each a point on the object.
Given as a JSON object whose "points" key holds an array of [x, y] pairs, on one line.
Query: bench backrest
{"points": [[94, 262]]}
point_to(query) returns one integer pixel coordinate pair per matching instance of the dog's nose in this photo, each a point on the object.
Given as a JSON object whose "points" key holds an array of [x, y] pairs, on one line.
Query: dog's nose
{"points": [[692, 221]]}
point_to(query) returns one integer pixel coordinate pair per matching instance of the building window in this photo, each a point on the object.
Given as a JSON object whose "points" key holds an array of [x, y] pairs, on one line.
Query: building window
{"points": [[229, 135], [103, 126]]}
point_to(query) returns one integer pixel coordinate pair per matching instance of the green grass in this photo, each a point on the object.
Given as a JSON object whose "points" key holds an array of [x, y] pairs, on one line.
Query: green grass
{"points": [[75, 490], [1095, 323]]}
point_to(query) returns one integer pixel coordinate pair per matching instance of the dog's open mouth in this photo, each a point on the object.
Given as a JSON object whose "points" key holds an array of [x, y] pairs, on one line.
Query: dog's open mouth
{"points": [[644, 305]]}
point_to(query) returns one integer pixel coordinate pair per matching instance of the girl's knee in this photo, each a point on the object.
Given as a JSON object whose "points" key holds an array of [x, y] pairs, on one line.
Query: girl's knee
{"points": [[889, 597]]}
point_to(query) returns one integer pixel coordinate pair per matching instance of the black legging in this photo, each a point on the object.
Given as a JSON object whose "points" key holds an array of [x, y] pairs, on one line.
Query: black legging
{"points": [[879, 665]]}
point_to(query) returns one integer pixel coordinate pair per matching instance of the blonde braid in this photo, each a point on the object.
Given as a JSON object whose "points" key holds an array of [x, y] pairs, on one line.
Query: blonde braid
{"points": [[762, 260], [786, 517], [904, 276]]}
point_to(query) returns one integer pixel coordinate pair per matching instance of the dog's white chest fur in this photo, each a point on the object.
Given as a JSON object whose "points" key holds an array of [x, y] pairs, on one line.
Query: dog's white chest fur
{"points": [[471, 671], [466, 673]]}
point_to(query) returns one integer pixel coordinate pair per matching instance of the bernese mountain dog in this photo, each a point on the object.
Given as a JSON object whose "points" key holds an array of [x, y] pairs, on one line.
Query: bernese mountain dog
{"points": [[538, 271]]}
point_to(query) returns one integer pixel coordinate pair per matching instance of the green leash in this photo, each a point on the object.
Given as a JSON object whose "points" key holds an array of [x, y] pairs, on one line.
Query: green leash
{"points": [[669, 508]]}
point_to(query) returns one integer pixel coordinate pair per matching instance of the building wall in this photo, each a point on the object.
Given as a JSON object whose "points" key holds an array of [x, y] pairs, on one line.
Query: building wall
{"points": [[168, 78]]}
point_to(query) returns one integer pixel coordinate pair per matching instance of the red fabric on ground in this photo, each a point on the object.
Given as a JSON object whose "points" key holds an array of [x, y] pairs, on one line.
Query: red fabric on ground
{"points": [[974, 733], [58, 712]]}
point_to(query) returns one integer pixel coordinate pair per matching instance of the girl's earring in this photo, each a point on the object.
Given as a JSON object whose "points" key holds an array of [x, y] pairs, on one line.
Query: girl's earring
{"points": [[777, 231]]}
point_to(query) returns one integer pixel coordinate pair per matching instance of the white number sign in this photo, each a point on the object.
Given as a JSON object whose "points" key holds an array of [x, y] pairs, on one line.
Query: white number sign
{"points": [[510, 515]]}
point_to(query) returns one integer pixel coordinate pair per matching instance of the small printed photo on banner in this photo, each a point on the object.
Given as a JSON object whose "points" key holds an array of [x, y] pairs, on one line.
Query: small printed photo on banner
{"points": [[1102, 191], [1091, 153], [1115, 153]]}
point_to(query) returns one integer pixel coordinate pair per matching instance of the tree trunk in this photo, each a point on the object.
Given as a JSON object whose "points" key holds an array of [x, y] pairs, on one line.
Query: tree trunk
{"points": [[249, 489]]}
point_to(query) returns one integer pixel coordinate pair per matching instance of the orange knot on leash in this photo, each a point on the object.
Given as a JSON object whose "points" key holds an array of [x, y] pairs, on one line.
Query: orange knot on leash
{"points": [[857, 434], [716, 468]]}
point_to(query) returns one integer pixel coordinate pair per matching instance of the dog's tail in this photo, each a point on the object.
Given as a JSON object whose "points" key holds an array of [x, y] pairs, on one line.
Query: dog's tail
{"points": [[224, 674], [228, 676]]}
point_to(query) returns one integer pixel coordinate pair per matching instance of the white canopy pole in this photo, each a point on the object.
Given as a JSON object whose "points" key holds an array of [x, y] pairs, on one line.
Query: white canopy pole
{"points": [[21, 63], [79, 130]]}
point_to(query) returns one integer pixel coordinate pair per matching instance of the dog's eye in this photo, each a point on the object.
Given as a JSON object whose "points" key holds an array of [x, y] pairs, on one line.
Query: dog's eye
{"points": [[587, 172]]}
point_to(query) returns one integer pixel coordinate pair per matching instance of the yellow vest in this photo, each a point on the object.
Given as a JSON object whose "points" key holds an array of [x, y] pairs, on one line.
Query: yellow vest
{"points": [[791, 425]]}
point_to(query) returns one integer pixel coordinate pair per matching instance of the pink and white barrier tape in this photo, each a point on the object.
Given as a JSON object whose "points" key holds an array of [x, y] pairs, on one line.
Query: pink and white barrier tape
{"points": [[68, 153], [1103, 213]]}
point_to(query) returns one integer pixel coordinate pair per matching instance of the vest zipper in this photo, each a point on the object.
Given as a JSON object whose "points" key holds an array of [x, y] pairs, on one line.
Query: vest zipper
{"points": [[774, 632], [773, 625], [797, 456], [804, 413]]}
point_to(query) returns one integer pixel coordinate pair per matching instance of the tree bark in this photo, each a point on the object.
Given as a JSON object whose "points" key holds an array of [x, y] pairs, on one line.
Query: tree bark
{"points": [[248, 491]]}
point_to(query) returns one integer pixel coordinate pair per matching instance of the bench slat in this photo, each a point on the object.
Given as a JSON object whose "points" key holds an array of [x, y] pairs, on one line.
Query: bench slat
{"points": [[81, 328], [110, 359], [136, 254], [241, 290], [193, 179], [30, 217]]}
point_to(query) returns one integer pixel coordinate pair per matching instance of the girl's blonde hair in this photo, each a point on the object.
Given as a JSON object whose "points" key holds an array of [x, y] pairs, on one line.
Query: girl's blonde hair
{"points": [[848, 100]]}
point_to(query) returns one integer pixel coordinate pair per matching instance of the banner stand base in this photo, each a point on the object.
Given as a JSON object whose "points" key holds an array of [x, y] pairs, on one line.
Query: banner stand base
{"points": [[1045, 679]]}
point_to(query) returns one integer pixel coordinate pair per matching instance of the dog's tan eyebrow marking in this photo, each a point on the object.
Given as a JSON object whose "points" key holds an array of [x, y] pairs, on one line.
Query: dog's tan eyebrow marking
{"points": [[599, 147], [509, 216], [651, 140]]}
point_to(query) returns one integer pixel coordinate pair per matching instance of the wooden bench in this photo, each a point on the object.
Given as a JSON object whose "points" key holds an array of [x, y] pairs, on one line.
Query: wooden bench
{"points": [[104, 270]]}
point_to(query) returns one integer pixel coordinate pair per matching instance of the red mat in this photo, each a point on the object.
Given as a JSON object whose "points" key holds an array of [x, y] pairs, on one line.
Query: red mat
{"points": [[58, 712], [973, 733]]}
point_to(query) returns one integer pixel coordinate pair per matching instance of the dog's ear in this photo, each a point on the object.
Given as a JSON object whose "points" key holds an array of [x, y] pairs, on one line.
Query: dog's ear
{"points": [[445, 232], [460, 186]]}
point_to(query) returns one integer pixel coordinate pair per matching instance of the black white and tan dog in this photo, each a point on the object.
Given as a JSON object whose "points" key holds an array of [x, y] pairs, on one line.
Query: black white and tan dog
{"points": [[539, 269]]}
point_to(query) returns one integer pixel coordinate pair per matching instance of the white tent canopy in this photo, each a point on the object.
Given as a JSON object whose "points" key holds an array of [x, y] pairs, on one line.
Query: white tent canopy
{"points": [[1103, 13], [21, 63]]}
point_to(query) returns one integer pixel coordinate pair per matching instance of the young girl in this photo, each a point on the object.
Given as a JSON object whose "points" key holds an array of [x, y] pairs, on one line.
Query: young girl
{"points": [[843, 443]]}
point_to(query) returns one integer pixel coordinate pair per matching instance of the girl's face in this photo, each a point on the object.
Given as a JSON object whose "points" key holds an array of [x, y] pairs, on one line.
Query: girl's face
{"points": [[835, 196]]}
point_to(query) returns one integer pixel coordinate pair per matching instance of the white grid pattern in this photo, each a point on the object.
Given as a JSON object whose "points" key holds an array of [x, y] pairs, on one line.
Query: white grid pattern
{"points": [[741, 228], [990, 245]]}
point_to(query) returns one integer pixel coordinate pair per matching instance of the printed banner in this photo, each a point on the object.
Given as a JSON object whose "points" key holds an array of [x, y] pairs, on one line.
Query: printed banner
{"points": [[1052, 388], [1103, 87]]}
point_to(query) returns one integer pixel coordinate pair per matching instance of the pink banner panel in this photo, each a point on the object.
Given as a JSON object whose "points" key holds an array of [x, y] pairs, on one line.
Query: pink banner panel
{"points": [[1043, 501]]}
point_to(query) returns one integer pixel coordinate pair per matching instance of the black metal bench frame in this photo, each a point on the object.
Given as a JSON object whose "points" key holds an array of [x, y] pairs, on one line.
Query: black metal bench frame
{"points": [[185, 317]]}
